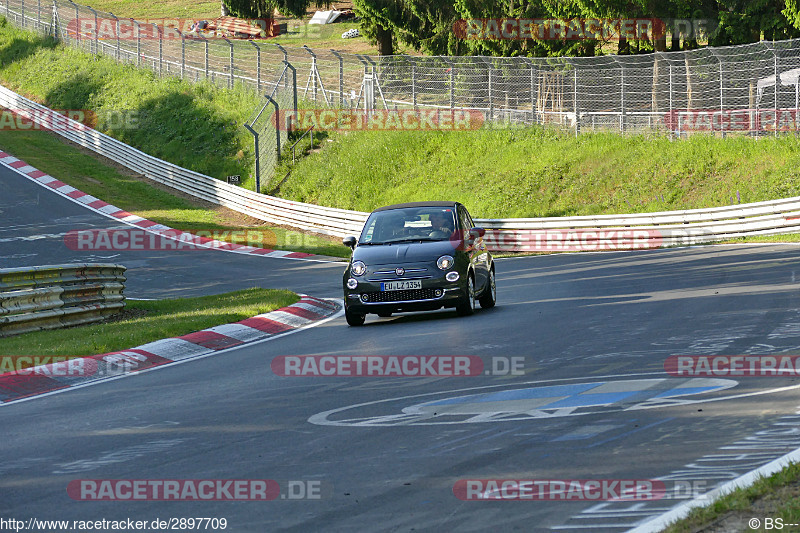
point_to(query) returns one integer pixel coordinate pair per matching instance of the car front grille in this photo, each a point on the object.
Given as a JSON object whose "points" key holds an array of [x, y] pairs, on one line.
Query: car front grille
{"points": [[409, 295]]}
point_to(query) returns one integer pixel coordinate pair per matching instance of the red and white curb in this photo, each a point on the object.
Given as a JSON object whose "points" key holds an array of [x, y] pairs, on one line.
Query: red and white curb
{"points": [[98, 206], [44, 379]]}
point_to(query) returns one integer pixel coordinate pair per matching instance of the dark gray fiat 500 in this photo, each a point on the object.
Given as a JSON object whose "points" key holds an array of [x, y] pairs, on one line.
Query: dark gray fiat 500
{"points": [[418, 256]]}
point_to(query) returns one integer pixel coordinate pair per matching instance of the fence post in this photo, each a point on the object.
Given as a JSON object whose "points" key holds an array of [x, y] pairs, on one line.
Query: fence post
{"points": [[489, 86], [621, 94], [277, 126], [294, 84], [38, 14], [670, 101], [341, 77], [413, 80], [258, 155], [230, 65], [183, 51], [205, 42], [777, 81], [258, 65], [450, 81], [77, 21], [533, 92], [22, 10], [95, 28], [116, 30], [160, 49], [138, 43], [313, 74], [577, 109], [286, 59]]}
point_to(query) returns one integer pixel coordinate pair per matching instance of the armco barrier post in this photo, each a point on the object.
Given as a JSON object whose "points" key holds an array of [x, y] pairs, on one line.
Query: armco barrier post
{"points": [[22, 10]]}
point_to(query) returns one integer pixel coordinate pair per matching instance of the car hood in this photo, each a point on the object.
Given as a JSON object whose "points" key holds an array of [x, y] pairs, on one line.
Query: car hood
{"points": [[413, 252]]}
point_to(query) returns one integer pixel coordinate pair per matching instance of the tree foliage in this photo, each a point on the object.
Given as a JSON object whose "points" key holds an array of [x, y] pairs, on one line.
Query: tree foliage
{"points": [[428, 25]]}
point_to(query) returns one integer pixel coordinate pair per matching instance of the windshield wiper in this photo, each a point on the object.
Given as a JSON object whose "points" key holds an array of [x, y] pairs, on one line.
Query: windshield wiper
{"points": [[419, 239]]}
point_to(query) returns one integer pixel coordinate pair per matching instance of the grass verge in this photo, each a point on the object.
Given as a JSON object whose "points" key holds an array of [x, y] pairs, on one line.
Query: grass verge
{"points": [[535, 172], [194, 125], [776, 497], [150, 321]]}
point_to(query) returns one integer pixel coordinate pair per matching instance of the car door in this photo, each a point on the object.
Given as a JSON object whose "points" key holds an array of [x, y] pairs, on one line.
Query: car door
{"points": [[475, 248]]}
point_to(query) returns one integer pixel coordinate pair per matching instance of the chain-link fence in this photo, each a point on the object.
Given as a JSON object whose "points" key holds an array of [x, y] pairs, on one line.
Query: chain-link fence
{"points": [[750, 89]]}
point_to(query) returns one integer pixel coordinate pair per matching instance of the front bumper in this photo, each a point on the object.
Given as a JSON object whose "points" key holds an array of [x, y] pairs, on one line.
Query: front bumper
{"points": [[435, 293]]}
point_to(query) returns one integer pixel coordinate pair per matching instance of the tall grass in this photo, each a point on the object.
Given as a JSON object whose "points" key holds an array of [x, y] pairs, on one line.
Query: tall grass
{"points": [[535, 172], [194, 125]]}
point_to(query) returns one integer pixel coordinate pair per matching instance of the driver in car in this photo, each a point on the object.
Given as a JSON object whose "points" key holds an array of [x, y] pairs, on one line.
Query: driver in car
{"points": [[441, 223]]}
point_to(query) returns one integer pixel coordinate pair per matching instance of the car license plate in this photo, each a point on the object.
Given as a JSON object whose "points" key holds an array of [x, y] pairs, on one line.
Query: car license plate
{"points": [[400, 285]]}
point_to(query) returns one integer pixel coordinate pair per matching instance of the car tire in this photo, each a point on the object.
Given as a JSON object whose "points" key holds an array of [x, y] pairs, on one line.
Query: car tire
{"points": [[467, 306], [354, 319], [385, 314], [489, 296]]}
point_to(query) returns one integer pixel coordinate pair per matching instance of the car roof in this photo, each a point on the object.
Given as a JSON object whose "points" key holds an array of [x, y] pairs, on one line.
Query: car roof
{"points": [[418, 204]]}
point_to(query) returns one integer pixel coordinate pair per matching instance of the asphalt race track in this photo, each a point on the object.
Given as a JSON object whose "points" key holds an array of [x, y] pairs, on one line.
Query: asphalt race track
{"points": [[593, 401]]}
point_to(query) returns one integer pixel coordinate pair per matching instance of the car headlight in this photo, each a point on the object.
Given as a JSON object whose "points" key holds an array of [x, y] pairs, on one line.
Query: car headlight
{"points": [[352, 283], [445, 262], [358, 268]]}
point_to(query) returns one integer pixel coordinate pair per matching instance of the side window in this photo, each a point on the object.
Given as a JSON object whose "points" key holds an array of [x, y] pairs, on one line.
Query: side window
{"points": [[466, 222]]}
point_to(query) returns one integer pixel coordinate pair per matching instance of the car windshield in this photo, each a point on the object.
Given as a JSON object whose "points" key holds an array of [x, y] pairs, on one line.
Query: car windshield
{"points": [[409, 224]]}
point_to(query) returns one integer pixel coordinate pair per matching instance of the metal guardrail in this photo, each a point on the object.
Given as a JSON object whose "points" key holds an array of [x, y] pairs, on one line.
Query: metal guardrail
{"points": [[54, 296], [671, 228]]}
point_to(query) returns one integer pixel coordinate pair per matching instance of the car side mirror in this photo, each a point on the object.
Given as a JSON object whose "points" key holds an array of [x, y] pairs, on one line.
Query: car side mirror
{"points": [[475, 233], [350, 242]]}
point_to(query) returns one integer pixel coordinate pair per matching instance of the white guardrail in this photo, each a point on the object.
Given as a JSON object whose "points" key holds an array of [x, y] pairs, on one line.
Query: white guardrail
{"points": [[54, 296], [602, 232]]}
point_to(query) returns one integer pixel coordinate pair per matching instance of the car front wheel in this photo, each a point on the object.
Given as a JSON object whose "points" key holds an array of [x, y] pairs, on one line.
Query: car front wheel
{"points": [[467, 306], [354, 319]]}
